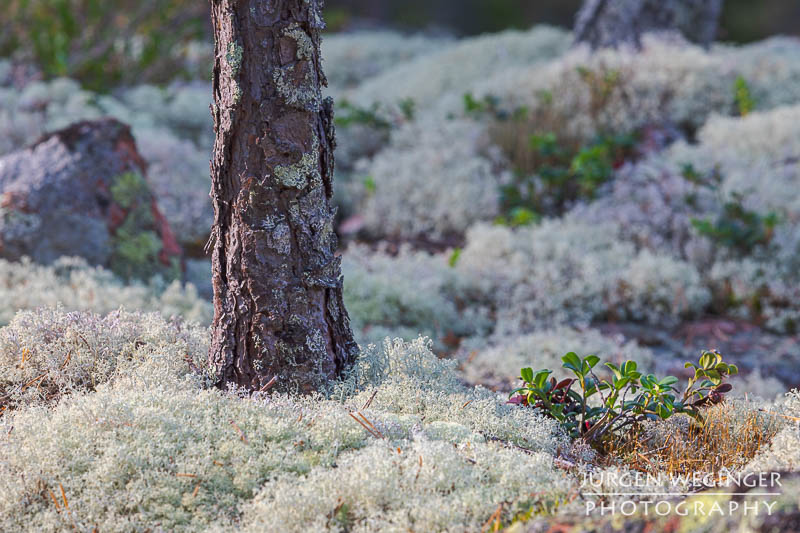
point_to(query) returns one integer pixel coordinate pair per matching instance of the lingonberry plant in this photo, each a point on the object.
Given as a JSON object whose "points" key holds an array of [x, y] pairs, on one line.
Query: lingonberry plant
{"points": [[595, 409]]}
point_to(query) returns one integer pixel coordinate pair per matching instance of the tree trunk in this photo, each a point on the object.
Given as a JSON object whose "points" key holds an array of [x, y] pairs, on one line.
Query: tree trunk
{"points": [[278, 310], [609, 23]]}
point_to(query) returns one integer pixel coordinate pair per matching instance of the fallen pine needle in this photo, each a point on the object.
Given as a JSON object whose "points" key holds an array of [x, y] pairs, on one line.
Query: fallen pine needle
{"points": [[182, 474], [34, 380], [362, 424], [376, 430], [369, 402], [241, 433], [55, 501], [494, 520], [69, 355], [63, 496]]}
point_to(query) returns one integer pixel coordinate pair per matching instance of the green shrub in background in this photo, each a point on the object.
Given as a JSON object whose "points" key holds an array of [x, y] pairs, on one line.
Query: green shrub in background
{"points": [[103, 43]]}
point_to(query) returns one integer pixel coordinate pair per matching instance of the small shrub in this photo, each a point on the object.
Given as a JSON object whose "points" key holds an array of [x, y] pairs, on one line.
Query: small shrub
{"points": [[744, 99], [627, 400], [737, 227], [553, 168], [348, 114]]}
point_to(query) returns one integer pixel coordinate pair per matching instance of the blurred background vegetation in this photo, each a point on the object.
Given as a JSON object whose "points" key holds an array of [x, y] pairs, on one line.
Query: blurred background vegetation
{"points": [[106, 44]]}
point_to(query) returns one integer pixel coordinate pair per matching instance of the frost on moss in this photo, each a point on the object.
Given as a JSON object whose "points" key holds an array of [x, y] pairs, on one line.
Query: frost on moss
{"points": [[75, 285]]}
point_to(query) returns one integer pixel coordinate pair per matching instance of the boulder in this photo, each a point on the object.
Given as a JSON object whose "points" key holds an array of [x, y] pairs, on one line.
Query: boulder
{"points": [[82, 191]]}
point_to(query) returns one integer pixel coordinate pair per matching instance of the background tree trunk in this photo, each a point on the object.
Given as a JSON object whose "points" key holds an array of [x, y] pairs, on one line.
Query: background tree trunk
{"points": [[609, 23], [278, 310]]}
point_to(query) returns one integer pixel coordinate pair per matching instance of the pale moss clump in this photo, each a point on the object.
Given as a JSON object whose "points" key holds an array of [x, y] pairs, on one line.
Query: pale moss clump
{"points": [[191, 458], [425, 485], [783, 453], [452, 68], [352, 57], [405, 295], [48, 353], [755, 156], [564, 272], [436, 178], [75, 285], [172, 128]]}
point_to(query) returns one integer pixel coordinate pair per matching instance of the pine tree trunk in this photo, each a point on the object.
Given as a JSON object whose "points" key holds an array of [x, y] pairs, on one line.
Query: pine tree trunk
{"points": [[610, 23], [278, 310]]}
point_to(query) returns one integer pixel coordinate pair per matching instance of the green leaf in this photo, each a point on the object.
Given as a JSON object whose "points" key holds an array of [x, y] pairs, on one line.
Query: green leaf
{"points": [[668, 381], [541, 378], [714, 376], [592, 360], [615, 369], [628, 367], [733, 370], [572, 362], [527, 375]]}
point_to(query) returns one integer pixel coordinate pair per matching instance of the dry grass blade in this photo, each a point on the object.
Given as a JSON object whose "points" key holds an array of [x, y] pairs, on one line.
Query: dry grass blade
{"points": [[787, 417], [728, 437]]}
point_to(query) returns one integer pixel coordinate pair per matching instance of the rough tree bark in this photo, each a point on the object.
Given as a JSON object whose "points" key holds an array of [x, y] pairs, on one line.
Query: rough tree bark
{"points": [[278, 310], [609, 23]]}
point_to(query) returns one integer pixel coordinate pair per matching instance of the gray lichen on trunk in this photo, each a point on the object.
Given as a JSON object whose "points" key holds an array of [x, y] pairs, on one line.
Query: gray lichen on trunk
{"points": [[277, 279]]}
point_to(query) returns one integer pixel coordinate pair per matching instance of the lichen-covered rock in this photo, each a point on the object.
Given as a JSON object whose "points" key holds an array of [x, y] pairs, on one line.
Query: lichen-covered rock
{"points": [[82, 191]]}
